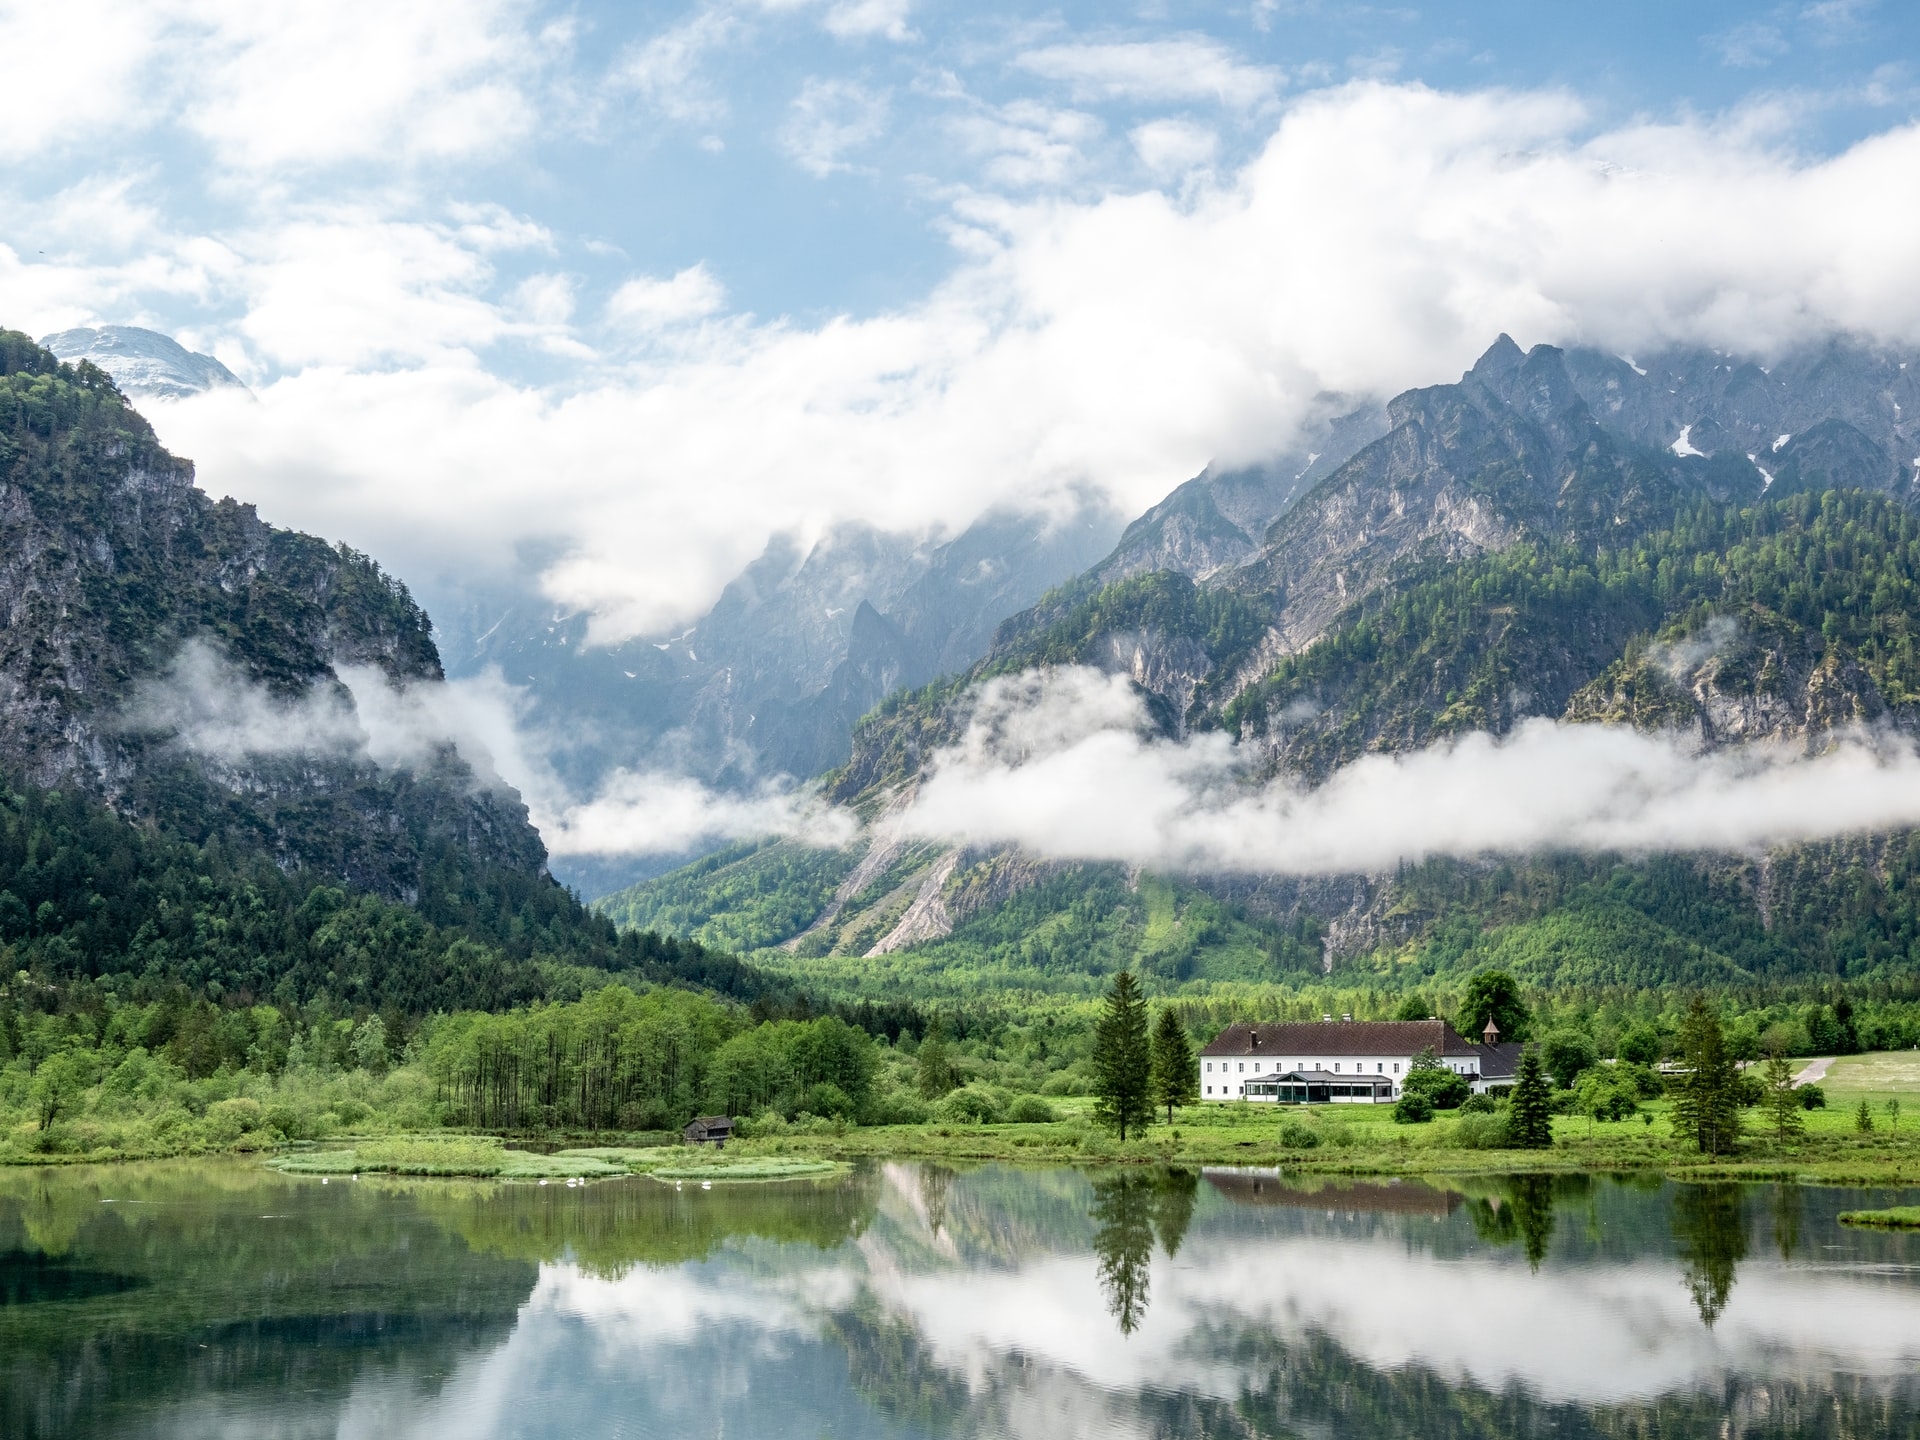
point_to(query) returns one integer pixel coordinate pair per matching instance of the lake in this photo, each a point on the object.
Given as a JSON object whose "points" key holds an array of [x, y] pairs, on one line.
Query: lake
{"points": [[219, 1298]]}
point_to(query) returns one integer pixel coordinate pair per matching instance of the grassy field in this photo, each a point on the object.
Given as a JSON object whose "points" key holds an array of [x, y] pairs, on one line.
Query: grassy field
{"points": [[486, 1158], [1884, 1075], [1363, 1139]]}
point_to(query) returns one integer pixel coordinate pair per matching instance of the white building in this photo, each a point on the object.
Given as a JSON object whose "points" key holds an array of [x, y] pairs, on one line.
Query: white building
{"points": [[1344, 1061]]}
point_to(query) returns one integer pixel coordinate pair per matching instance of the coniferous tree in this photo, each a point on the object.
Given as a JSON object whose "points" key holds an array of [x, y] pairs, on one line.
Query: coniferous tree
{"points": [[1530, 1121], [1176, 1078], [1123, 1059], [1783, 1105], [1705, 1103]]}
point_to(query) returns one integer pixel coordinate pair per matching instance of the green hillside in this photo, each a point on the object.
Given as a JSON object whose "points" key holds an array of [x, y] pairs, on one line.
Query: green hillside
{"points": [[1809, 602]]}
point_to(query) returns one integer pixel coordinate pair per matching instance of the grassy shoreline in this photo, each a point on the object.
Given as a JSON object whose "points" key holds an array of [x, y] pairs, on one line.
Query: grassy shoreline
{"points": [[1347, 1140]]}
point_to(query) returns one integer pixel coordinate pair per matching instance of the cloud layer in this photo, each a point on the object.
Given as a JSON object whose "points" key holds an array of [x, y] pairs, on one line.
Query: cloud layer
{"points": [[1063, 764], [1380, 239]]}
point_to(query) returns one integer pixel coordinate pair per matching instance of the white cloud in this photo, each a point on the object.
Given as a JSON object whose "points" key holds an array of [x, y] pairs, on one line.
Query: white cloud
{"points": [[325, 81], [1190, 67], [204, 703], [1380, 239], [1172, 148], [668, 70], [71, 70], [827, 120], [1749, 45], [649, 304], [658, 813], [1062, 764], [1027, 144], [851, 19]]}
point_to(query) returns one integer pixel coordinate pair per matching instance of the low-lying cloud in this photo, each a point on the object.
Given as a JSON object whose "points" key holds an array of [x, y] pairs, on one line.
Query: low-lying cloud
{"points": [[207, 705], [658, 813], [1064, 764]]}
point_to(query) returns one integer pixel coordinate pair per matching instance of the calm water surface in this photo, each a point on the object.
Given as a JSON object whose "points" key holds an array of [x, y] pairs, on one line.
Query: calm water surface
{"points": [[204, 1299]]}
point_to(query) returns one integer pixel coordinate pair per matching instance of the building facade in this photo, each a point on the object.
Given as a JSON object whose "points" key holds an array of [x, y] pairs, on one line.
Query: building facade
{"points": [[1344, 1061]]}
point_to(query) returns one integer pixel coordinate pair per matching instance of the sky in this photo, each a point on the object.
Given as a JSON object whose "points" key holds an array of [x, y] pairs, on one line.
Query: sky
{"points": [[599, 298]]}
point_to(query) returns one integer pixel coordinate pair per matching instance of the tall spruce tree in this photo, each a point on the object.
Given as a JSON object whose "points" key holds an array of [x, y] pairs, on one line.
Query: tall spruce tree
{"points": [[1123, 1059], [1176, 1078], [1705, 1102], [1530, 1119]]}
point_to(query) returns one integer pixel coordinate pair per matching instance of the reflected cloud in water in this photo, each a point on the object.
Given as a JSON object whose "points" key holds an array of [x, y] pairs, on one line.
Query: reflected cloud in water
{"points": [[909, 1300]]}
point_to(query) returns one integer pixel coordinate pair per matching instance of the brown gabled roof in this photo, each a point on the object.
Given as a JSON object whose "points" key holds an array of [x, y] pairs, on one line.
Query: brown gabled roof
{"points": [[1342, 1037]]}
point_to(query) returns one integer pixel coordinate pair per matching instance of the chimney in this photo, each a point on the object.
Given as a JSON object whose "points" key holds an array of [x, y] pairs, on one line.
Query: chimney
{"points": [[1492, 1033]]}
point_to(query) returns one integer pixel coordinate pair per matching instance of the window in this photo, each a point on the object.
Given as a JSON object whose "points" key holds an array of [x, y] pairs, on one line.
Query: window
{"points": [[1209, 1071], [1381, 1067], [1243, 1067], [1336, 1067], [1396, 1067]]}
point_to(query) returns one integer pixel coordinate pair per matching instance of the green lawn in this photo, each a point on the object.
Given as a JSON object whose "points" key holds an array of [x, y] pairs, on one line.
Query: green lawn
{"points": [[1883, 1073]]}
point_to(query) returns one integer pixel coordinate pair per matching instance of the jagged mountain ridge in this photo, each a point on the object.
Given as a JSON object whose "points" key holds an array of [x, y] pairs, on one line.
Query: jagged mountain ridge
{"points": [[1532, 463]]}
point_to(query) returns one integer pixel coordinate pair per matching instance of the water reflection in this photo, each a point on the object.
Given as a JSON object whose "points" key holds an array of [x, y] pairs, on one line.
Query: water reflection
{"points": [[1710, 1232], [912, 1300]]}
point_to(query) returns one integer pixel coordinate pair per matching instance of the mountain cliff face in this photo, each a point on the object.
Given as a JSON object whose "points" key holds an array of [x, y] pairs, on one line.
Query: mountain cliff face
{"points": [[1685, 540], [113, 564]]}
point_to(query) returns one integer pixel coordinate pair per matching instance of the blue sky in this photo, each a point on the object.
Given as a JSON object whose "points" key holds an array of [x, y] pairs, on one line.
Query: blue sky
{"points": [[598, 298]]}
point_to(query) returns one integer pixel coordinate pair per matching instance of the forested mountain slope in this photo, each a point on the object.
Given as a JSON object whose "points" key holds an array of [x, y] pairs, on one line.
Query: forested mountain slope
{"points": [[263, 865], [1694, 543]]}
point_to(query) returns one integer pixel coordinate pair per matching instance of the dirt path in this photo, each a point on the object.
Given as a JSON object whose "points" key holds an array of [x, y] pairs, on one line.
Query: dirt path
{"points": [[1815, 1072]]}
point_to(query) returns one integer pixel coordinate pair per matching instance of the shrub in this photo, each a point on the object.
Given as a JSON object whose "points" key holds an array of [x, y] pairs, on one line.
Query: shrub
{"points": [[1413, 1108], [1812, 1097], [1646, 1080], [1478, 1105], [227, 1120], [899, 1107], [828, 1099], [1748, 1089], [970, 1105], [1298, 1135], [1030, 1110], [1478, 1130]]}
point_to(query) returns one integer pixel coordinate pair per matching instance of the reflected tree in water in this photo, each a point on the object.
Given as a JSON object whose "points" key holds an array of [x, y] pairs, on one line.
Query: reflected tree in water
{"points": [[1786, 1219], [1123, 1214], [935, 1182], [1709, 1228], [1175, 1190], [1522, 1212]]}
